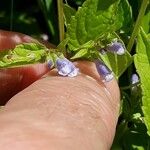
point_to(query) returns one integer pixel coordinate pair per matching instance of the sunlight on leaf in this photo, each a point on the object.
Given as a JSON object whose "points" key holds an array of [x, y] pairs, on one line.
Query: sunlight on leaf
{"points": [[23, 54], [142, 63]]}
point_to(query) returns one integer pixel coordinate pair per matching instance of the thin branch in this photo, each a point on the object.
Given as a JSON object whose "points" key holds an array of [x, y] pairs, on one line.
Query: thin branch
{"points": [[137, 24], [60, 19]]}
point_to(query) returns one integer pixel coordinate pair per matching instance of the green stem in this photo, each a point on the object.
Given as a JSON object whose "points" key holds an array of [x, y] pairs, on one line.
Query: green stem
{"points": [[129, 86], [137, 24], [60, 19], [45, 13]]}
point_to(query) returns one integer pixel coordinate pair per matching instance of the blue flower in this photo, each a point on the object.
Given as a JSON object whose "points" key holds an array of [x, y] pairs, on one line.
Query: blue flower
{"points": [[66, 68], [116, 47], [134, 79], [49, 64], [104, 71]]}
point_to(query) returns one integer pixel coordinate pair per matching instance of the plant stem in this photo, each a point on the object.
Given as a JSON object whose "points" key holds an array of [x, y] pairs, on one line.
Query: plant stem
{"points": [[137, 24], [129, 86], [45, 13], [60, 19]]}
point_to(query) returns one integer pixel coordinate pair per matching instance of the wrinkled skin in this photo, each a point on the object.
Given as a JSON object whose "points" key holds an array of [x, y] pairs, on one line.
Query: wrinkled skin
{"points": [[54, 112]]}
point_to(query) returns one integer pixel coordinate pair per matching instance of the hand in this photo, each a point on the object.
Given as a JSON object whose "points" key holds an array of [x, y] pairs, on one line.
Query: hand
{"points": [[55, 112]]}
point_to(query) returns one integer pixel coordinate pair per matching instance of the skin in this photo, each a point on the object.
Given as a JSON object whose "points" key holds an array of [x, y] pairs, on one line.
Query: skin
{"points": [[54, 112]]}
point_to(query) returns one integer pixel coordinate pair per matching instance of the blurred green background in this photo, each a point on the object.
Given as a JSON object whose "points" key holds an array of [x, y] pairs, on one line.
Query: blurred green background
{"points": [[35, 18]]}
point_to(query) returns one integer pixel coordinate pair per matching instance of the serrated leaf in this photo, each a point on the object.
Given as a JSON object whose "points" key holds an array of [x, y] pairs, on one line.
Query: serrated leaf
{"points": [[68, 12], [142, 63], [94, 19], [99, 20], [22, 54]]}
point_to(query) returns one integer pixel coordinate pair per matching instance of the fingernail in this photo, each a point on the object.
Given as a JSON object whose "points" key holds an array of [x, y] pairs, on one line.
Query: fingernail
{"points": [[104, 71]]}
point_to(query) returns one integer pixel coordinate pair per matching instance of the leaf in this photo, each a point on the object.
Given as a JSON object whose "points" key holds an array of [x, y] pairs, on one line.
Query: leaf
{"points": [[83, 50], [68, 12], [22, 54], [48, 4], [62, 46], [136, 138], [48, 9], [142, 63], [94, 19], [118, 64], [97, 20], [146, 22], [127, 15], [80, 53]]}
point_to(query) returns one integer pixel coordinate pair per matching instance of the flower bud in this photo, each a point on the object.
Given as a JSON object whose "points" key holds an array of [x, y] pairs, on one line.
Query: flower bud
{"points": [[116, 47], [66, 68], [49, 64], [104, 71], [134, 79]]}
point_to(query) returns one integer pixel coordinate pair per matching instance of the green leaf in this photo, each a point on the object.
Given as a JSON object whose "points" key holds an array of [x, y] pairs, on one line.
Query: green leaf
{"points": [[97, 21], [22, 54], [80, 53], [136, 138], [68, 12], [117, 63], [127, 15], [146, 22], [94, 19], [50, 15], [142, 63], [62, 46]]}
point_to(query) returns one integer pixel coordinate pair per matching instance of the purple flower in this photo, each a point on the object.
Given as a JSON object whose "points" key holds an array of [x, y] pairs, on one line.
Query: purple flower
{"points": [[104, 71], [134, 79], [116, 47], [66, 68], [49, 64]]}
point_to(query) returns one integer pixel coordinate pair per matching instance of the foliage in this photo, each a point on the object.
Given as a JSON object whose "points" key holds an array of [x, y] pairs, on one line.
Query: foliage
{"points": [[92, 25], [142, 63]]}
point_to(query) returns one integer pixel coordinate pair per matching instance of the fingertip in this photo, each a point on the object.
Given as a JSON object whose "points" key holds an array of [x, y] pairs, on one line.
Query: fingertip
{"points": [[33, 73], [9, 40], [89, 69]]}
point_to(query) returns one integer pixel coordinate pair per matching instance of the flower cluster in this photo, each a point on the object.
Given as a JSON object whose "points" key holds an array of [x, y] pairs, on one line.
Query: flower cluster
{"points": [[67, 68]]}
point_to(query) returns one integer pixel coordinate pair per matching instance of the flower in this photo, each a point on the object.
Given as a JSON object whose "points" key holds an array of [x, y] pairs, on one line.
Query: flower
{"points": [[134, 78], [66, 68], [104, 71], [116, 47], [49, 64]]}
